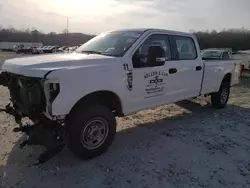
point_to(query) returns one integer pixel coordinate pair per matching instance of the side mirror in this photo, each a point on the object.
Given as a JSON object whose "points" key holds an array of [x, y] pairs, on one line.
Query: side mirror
{"points": [[156, 56], [137, 59]]}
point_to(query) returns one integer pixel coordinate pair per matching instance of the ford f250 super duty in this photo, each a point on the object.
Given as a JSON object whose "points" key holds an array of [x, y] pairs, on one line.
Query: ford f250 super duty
{"points": [[73, 98]]}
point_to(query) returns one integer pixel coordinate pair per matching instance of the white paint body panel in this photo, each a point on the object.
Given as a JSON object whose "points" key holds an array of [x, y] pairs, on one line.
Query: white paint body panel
{"points": [[82, 74], [215, 72], [39, 65]]}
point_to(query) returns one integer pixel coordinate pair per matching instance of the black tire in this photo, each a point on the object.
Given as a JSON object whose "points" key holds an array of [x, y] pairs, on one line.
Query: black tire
{"points": [[220, 99], [79, 125]]}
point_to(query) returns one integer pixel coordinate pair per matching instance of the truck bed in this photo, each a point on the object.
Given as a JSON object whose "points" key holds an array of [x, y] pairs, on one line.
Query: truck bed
{"points": [[215, 70]]}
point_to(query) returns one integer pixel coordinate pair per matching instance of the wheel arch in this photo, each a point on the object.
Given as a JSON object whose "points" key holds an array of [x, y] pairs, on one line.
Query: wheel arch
{"points": [[227, 78], [104, 97]]}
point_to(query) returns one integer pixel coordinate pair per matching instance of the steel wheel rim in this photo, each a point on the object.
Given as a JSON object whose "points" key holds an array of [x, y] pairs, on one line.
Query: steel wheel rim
{"points": [[224, 96], [94, 133]]}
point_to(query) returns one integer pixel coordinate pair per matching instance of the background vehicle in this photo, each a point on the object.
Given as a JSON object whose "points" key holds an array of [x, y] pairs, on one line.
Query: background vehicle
{"points": [[220, 54], [75, 97], [70, 49], [26, 50], [50, 49], [10, 46], [30, 50], [216, 54], [244, 56], [62, 48], [19, 48], [38, 50]]}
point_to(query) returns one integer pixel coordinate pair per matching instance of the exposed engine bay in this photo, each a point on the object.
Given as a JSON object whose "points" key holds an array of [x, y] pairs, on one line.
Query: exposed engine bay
{"points": [[26, 94], [32, 97]]}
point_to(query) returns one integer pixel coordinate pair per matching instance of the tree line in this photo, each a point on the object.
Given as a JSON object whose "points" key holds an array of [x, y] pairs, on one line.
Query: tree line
{"points": [[237, 39], [33, 35]]}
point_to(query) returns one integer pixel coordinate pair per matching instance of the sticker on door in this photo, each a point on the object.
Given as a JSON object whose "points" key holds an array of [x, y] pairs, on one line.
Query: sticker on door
{"points": [[155, 84]]}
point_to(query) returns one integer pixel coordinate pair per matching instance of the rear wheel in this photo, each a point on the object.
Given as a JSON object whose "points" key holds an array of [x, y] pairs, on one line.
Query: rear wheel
{"points": [[91, 131], [220, 99]]}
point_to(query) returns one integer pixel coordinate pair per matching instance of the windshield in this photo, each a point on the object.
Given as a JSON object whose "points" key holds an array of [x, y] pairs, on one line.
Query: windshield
{"points": [[211, 54], [111, 43]]}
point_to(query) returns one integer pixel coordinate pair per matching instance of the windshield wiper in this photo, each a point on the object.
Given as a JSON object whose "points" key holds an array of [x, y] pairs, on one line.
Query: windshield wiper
{"points": [[96, 52], [91, 52]]}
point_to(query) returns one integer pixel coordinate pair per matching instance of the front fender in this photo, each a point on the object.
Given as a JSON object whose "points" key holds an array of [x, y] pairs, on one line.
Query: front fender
{"points": [[77, 83]]}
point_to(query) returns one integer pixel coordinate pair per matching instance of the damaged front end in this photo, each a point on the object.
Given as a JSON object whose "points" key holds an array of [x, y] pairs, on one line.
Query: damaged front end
{"points": [[32, 97]]}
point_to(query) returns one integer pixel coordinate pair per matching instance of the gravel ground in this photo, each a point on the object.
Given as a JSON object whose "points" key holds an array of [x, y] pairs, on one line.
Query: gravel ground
{"points": [[187, 144]]}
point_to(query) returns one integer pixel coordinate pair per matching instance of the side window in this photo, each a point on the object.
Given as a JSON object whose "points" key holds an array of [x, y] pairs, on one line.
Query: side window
{"points": [[186, 49], [225, 55], [158, 45]]}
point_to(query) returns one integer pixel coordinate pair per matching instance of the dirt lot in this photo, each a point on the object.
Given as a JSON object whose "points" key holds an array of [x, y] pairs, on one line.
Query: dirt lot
{"points": [[188, 144]]}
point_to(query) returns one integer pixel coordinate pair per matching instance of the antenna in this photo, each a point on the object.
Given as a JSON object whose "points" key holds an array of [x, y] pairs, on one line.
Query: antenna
{"points": [[67, 25], [67, 31]]}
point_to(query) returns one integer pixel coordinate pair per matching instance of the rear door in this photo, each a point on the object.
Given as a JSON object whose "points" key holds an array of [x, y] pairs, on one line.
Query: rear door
{"points": [[188, 66]]}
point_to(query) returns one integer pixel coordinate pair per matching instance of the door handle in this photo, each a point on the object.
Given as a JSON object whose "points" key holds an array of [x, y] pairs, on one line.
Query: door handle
{"points": [[198, 68], [172, 71]]}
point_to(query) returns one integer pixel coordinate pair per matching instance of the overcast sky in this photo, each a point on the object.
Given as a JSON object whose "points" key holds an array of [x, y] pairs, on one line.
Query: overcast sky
{"points": [[95, 16]]}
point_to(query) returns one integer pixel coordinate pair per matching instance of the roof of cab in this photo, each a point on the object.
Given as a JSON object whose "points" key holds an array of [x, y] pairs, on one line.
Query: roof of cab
{"points": [[151, 29], [215, 50]]}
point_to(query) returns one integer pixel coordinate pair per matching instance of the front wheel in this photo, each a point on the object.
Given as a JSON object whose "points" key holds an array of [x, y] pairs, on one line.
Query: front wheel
{"points": [[220, 99], [91, 131]]}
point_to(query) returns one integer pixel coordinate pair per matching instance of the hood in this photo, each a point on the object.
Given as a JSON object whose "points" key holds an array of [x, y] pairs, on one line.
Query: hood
{"points": [[39, 65]]}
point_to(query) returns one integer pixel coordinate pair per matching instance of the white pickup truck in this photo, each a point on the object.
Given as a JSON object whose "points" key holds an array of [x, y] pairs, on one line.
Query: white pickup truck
{"points": [[76, 96]]}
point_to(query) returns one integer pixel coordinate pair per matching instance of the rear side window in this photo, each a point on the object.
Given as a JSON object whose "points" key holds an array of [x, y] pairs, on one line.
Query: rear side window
{"points": [[185, 48], [225, 56]]}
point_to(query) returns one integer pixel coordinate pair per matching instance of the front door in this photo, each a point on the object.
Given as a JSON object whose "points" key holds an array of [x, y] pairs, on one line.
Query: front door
{"points": [[150, 82]]}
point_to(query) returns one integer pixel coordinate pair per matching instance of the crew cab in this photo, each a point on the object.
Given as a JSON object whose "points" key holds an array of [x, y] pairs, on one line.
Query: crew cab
{"points": [[113, 74]]}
